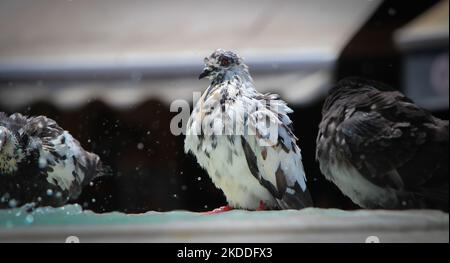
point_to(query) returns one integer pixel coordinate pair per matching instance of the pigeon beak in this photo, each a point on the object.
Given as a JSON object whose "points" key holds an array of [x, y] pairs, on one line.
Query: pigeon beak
{"points": [[206, 71]]}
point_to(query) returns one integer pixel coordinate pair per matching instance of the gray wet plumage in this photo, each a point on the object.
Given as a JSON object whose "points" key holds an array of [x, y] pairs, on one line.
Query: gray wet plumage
{"points": [[381, 149], [244, 139], [41, 163]]}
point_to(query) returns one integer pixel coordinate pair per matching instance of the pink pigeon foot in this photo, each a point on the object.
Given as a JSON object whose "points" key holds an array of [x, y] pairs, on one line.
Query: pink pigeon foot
{"points": [[262, 206], [221, 209]]}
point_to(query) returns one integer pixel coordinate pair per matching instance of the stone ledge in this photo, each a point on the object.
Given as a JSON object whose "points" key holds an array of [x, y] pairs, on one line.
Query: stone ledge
{"points": [[308, 225]]}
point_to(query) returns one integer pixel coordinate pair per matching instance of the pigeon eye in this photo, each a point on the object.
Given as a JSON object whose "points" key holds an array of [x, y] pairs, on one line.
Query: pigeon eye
{"points": [[224, 61]]}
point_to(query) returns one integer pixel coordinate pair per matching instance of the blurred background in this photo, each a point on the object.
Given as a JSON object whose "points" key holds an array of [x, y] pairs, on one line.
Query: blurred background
{"points": [[107, 72]]}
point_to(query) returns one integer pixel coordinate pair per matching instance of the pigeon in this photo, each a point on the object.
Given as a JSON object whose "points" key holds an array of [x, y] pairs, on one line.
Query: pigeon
{"points": [[245, 140], [382, 150], [42, 164]]}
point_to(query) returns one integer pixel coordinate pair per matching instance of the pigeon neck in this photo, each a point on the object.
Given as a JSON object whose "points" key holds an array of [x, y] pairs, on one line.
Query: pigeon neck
{"points": [[233, 73]]}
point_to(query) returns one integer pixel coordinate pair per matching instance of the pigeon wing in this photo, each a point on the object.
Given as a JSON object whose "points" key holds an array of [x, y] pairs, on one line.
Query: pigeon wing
{"points": [[272, 154], [68, 165], [391, 141]]}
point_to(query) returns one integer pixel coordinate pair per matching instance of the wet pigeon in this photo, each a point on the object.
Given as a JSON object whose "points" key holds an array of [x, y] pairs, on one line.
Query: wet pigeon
{"points": [[244, 140], [41, 163], [381, 149]]}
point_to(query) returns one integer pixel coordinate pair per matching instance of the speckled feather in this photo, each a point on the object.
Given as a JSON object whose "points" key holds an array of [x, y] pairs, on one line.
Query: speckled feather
{"points": [[228, 133], [381, 149], [50, 166]]}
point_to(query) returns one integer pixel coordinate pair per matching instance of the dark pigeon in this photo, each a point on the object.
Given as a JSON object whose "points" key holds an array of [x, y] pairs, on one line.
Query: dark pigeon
{"points": [[381, 149]]}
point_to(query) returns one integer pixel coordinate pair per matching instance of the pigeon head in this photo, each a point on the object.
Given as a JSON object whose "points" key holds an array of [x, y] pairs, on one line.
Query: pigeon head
{"points": [[5, 138], [359, 84], [9, 153], [223, 65]]}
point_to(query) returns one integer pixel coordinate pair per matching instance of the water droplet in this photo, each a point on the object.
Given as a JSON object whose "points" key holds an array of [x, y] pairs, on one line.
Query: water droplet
{"points": [[4, 197], [392, 11], [12, 203], [58, 195], [42, 163], [140, 146], [91, 183], [184, 187], [29, 219], [49, 192], [175, 196], [199, 178], [93, 200]]}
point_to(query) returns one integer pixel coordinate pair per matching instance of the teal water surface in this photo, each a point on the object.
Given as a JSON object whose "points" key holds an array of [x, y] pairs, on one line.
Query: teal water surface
{"points": [[75, 215]]}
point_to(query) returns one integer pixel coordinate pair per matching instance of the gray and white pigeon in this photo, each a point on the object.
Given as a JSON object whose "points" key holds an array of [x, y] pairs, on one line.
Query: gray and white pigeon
{"points": [[381, 149], [244, 140], [40, 163]]}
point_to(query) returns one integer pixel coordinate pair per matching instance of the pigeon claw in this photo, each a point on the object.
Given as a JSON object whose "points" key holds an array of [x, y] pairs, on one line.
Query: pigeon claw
{"points": [[219, 210], [262, 206]]}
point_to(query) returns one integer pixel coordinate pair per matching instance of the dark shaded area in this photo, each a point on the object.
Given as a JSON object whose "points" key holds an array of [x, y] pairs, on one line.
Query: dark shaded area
{"points": [[371, 53], [324, 193], [151, 171]]}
